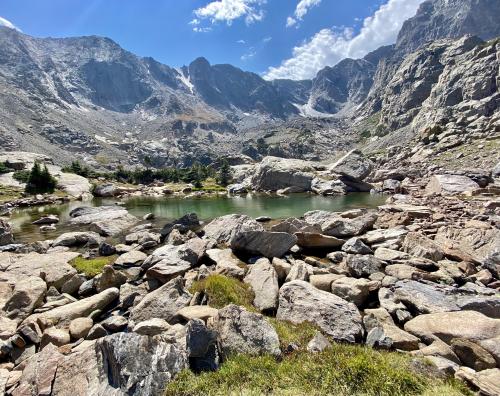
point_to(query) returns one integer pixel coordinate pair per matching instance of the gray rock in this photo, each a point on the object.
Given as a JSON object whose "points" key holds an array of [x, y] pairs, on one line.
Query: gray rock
{"points": [[70, 239], [151, 327], [450, 185], [82, 308], [57, 337], [265, 243], [201, 345], [6, 237], [293, 225], [163, 303], [114, 323], [417, 244], [122, 363], [353, 165], [446, 326], [354, 290], [130, 259], [106, 220], [223, 229], [167, 262], [430, 297], [240, 331], [227, 263], [318, 343], [338, 225], [97, 331], [274, 173], [27, 295], [263, 280], [472, 355], [311, 240], [299, 271], [362, 266], [356, 246], [80, 327], [299, 302]]}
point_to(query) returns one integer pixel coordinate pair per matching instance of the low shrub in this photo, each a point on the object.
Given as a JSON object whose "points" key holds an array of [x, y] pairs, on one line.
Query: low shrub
{"points": [[91, 267], [222, 290]]}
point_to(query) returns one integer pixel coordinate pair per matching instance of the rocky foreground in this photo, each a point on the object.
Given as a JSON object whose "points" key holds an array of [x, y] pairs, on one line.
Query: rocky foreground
{"points": [[420, 275]]}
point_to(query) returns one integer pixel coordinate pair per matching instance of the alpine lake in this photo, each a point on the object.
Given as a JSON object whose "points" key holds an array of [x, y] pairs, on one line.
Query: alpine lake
{"points": [[166, 209]]}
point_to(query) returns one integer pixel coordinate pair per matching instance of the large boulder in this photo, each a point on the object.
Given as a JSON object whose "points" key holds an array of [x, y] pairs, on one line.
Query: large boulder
{"points": [[263, 280], [106, 220], [53, 268], [353, 165], [450, 185], [240, 331], [28, 294], [469, 241], [226, 263], [223, 229], [162, 303], [446, 326], [339, 225], [72, 184], [274, 174], [419, 245], [299, 302], [62, 316], [266, 243], [78, 238], [6, 237], [363, 265], [292, 225], [429, 297], [120, 364], [168, 261]]}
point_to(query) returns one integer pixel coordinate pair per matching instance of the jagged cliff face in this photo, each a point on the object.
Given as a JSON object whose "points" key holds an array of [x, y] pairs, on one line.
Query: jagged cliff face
{"points": [[435, 19], [88, 97]]}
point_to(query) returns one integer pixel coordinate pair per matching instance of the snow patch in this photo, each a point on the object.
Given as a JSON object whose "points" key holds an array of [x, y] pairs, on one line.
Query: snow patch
{"points": [[306, 110], [185, 80]]}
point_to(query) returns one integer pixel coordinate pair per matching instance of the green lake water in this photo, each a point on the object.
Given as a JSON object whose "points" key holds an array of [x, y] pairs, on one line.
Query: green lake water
{"points": [[207, 208]]}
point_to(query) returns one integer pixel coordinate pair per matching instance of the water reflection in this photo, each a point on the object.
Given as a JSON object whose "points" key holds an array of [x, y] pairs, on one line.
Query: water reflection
{"points": [[207, 208]]}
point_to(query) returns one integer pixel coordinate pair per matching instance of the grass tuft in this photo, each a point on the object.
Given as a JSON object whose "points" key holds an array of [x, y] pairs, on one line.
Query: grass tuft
{"points": [[91, 267], [222, 290], [340, 370]]}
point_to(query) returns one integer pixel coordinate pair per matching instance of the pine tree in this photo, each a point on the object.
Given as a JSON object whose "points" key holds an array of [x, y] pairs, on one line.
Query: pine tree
{"points": [[40, 180], [224, 176]]}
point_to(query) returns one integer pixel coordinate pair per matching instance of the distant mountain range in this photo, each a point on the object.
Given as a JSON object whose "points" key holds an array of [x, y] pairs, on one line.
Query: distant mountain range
{"points": [[86, 96]]}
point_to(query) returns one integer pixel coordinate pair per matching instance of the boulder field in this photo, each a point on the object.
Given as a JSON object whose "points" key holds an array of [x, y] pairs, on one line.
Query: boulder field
{"points": [[419, 275]]}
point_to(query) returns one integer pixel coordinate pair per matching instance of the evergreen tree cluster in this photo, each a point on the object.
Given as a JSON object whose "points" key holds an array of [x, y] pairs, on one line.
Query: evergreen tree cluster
{"points": [[40, 181]]}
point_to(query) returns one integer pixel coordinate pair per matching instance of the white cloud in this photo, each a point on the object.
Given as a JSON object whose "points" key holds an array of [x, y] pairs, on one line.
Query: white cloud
{"points": [[202, 29], [229, 10], [265, 40], [249, 55], [9, 24], [329, 46], [301, 10], [241, 42]]}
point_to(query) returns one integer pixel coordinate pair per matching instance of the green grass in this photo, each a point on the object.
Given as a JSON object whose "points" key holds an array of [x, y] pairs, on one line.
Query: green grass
{"points": [[222, 290], [8, 193], [341, 370], [290, 333], [91, 267]]}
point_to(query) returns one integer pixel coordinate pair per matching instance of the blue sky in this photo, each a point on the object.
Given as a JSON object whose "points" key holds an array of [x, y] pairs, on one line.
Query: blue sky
{"points": [[274, 38]]}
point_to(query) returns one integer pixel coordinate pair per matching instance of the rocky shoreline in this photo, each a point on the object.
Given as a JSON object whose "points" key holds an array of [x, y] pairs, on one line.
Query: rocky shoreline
{"points": [[419, 275]]}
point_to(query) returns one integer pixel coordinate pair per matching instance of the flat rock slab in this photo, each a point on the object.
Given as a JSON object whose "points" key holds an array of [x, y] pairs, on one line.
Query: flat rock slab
{"points": [[317, 241], [299, 302], [62, 316], [265, 243], [446, 326], [53, 268]]}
